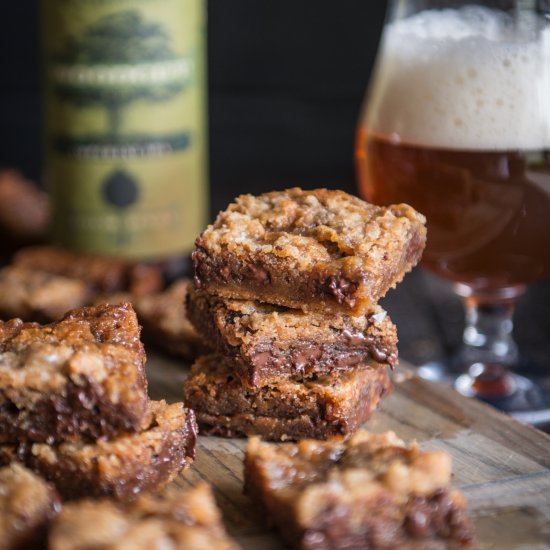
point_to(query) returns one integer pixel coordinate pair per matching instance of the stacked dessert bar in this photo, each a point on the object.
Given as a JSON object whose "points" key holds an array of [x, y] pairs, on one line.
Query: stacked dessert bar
{"points": [[175, 520], [32, 517], [74, 406], [286, 290]]}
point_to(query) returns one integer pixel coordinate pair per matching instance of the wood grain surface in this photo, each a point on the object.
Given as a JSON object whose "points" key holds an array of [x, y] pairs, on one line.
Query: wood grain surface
{"points": [[502, 466]]}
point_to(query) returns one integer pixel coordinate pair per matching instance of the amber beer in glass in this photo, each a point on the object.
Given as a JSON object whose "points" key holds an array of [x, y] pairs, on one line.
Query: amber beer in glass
{"points": [[457, 124], [488, 211]]}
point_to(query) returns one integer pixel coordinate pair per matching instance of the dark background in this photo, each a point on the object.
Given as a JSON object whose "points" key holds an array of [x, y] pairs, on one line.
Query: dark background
{"points": [[286, 81]]}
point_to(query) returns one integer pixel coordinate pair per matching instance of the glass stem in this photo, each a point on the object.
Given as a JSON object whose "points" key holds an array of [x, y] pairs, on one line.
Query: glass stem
{"points": [[487, 335], [489, 350]]}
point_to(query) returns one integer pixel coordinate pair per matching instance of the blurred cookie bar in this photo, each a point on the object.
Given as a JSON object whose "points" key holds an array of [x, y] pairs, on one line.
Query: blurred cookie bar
{"points": [[24, 212], [176, 520], [101, 273], [39, 296], [371, 491], [27, 503]]}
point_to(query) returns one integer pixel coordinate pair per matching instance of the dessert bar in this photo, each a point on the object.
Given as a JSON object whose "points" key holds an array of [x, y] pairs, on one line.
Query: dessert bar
{"points": [[81, 377], [176, 520], [103, 274], [328, 406], [269, 343], [315, 250], [24, 211], [165, 323], [121, 467], [38, 296], [371, 491], [27, 503], [163, 317]]}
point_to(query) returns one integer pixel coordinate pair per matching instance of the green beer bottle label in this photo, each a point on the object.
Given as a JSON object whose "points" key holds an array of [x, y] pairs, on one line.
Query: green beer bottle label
{"points": [[125, 124]]}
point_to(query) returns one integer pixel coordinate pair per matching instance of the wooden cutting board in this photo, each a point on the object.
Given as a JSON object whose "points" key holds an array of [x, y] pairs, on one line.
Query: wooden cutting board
{"points": [[502, 466]]}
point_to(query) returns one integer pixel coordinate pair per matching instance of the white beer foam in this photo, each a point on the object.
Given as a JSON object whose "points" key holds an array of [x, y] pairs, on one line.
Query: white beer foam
{"points": [[467, 79]]}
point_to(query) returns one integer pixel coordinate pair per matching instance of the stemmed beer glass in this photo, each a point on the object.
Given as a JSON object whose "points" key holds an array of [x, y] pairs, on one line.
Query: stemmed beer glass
{"points": [[457, 123]]}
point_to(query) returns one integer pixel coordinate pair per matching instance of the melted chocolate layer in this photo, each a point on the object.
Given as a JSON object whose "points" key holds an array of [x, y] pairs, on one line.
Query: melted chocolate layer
{"points": [[259, 359], [74, 480], [83, 412]]}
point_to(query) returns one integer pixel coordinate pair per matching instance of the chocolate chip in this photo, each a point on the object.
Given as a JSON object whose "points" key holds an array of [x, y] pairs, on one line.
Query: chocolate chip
{"points": [[225, 272], [259, 274], [342, 289]]}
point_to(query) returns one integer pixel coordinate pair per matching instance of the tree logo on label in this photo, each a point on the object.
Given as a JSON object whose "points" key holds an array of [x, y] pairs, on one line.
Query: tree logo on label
{"points": [[117, 60], [120, 190]]}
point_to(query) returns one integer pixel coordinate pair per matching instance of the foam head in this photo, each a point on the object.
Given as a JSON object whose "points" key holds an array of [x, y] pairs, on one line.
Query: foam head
{"points": [[470, 78]]}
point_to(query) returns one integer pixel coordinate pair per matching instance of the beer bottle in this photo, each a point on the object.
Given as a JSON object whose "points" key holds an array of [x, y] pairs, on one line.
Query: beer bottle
{"points": [[125, 125]]}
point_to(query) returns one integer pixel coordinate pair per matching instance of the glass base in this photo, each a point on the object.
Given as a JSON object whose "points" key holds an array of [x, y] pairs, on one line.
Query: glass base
{"points": [[525, 397]]}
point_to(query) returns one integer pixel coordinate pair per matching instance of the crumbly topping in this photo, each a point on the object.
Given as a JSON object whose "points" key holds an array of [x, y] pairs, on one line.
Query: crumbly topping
{"points": [[306, 228], [307, 473], [174, 520], [87, 344]]}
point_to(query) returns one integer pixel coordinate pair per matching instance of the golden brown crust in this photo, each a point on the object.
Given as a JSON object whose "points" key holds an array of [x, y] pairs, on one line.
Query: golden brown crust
{"points": [[82, 377], [313, 250], [371, 491], [328, 406], [176, 520], [121, 467]]}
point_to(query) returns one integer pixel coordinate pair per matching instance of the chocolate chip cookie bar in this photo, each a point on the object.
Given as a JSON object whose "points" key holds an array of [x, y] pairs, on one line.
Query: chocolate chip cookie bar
{"points": [[371, 491], [269, 343], [165, 324], [163, 317], [81, 377], [38, 296], [121, 467], [27, 504], [315, 250], [176, 520], [321, 408], [102, 274]]}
